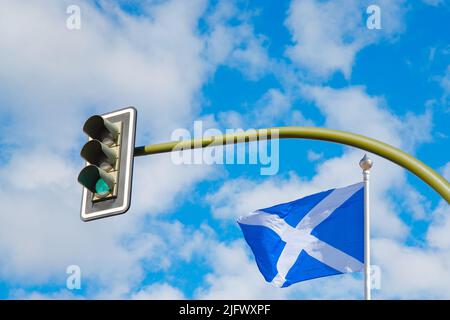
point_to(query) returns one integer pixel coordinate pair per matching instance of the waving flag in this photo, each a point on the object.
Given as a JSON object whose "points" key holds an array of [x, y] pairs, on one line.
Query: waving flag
{"points": [[316, 236]]}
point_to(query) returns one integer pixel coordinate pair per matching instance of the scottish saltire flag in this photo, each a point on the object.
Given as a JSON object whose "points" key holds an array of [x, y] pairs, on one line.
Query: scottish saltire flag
{"points": [[316, 236]]}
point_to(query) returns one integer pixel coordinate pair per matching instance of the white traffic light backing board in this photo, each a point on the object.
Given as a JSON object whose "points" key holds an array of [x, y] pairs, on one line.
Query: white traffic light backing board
{"points": [[91, 208]]}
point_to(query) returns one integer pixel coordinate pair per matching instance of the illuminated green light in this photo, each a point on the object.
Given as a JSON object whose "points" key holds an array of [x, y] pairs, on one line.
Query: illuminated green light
{"points": [[102, 188]]}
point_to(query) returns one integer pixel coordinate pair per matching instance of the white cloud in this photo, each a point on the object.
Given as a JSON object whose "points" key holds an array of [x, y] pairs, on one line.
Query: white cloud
{"points": [[241, 196], [235, 276], [446, 171], [50, 77], [352, 109], [114, 60], [327, 35], [438, 234], [318, 30], [156, 178], [41, 232], [159, 291], [411, 272], [236, 44], [273, 108], [63, 294], [37, 168], [314, 156]]}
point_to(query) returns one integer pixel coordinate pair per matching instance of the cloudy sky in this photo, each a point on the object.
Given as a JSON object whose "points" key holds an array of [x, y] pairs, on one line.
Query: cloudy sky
{"points": [[244, 64]]}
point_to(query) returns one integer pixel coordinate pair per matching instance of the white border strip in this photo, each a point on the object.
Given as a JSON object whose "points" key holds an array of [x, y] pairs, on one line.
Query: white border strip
{"points": [[99, 214]]}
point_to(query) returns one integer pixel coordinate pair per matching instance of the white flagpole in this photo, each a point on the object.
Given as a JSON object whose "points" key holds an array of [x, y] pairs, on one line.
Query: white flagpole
{"points": [[366, 165]]}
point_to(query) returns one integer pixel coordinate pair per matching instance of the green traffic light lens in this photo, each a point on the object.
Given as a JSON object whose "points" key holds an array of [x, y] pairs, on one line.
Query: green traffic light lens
{"points": [[102, 188]]}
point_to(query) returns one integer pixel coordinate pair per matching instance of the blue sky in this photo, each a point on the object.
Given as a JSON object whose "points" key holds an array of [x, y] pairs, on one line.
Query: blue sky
{"points": [[246, 64]]}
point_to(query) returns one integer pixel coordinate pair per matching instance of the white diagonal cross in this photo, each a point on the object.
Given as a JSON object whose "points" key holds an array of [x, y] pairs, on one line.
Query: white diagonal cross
{"points": [[300, 237]]}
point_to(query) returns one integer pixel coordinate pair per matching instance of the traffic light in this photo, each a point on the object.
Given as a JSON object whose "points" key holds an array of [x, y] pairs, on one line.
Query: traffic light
{"points": [[109, 155]]}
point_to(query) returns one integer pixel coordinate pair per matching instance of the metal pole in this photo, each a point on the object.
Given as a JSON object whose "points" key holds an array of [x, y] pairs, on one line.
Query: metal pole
{"points": [[425, 173], [366, 165]]}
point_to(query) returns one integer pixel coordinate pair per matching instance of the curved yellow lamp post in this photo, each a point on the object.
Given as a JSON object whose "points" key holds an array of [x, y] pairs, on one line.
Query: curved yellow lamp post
{"points": [[421, 170]]}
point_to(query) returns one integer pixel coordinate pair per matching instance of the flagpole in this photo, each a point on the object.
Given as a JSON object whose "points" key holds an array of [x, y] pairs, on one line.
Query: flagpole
{"points": [[366, 165]]}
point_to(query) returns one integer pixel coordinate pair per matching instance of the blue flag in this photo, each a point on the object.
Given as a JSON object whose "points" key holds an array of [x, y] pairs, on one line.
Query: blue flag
{"points": [[316, 236]]}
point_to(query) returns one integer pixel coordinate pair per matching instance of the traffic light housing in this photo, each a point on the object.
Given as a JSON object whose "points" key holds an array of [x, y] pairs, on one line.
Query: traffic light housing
{"points": [[109, 155]]}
